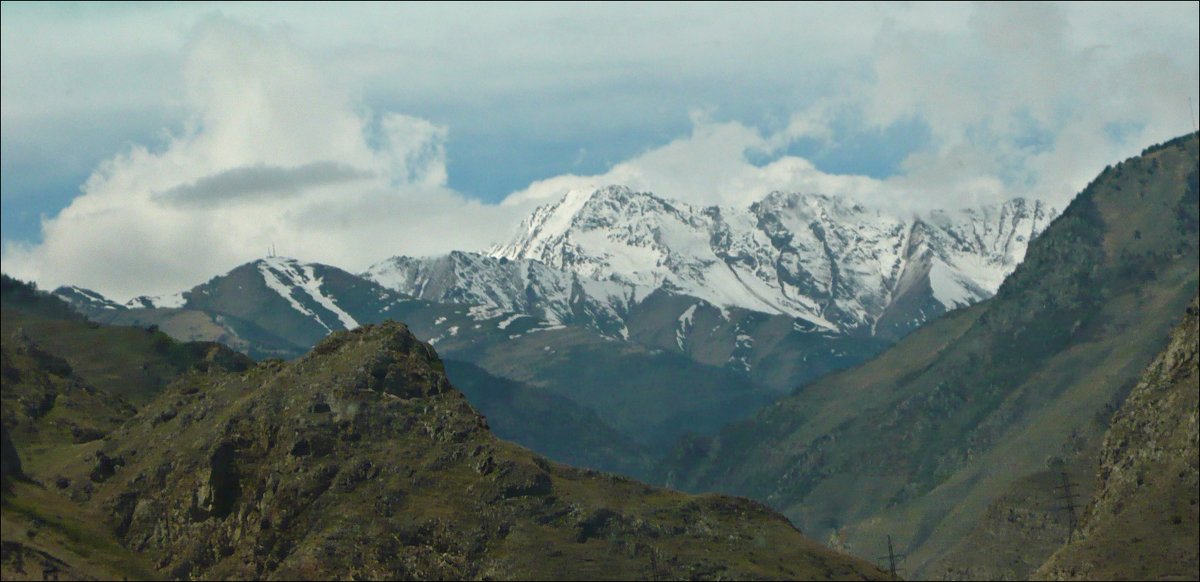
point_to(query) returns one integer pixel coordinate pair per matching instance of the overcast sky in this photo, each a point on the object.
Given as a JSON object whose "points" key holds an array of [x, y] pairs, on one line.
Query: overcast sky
{"points": [[148, 148]]}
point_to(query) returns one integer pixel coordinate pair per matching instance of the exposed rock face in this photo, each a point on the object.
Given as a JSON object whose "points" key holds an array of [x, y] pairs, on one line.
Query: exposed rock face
{"points": [[1143, 522], [361, 461]]}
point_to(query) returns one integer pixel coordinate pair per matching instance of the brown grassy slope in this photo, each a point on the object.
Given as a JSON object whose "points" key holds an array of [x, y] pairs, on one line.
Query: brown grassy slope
{"points": [[1144, 521], [360, 460], [1020, 529], [55, 414], [43, 535], [45, 402], [131, 362]]}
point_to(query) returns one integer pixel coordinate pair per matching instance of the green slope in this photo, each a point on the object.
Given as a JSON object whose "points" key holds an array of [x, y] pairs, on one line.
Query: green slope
{"points": [[360, 460], [131, 362], [918, 442], [1144, 521], [67, 384], [550, 424]]}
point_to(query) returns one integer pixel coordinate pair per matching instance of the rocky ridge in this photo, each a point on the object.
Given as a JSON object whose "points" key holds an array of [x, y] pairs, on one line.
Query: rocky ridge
{"points": [[360, 460]]}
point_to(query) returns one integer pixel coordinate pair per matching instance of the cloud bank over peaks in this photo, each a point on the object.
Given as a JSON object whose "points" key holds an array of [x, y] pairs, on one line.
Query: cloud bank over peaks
{"points": [[1010, 99], [713, 165], [271, 154], [291, 134]]}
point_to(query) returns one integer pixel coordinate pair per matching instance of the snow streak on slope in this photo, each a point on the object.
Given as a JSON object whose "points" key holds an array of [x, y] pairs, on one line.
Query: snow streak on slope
{"points": [[275, 284], [83, 299], [286, 276], [311, 284], [685, 325]]}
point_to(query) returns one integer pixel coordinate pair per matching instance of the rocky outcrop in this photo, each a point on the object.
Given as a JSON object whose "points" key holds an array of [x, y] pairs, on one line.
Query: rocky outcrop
{"points": [[361, 461]]}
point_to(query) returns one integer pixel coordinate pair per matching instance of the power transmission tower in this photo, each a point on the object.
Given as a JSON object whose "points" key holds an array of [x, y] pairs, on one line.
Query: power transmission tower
{"points": [[1067, 497], [654, 573], [892, 558]]}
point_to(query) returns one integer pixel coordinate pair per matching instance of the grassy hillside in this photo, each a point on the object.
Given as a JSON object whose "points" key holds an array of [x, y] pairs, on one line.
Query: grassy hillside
{"points": [[1144, 521], [67, 384], [361, 461], [131, 362], [921, 440]]}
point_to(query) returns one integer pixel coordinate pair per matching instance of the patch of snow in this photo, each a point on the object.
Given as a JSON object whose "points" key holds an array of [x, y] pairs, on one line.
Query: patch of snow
{"points": [[508, 321], [482, 313], [311, 284], [948, 287], [304, 278], [172, 301], [551, 327], [272, 281], [685, 325]]}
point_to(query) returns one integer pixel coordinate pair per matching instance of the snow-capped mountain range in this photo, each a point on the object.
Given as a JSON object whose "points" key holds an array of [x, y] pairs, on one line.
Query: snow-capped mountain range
{"points": [[839, 267], [779, 281], [640, 310]]}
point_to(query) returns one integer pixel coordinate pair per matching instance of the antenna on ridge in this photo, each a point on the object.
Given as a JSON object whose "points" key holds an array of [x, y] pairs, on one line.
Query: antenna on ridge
{"points": [[1191, 113]]}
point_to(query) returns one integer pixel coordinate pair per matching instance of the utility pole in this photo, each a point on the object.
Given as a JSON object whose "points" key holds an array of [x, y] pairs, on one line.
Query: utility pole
{"points": [[654, 574], [1067, 496], [892, 558]]}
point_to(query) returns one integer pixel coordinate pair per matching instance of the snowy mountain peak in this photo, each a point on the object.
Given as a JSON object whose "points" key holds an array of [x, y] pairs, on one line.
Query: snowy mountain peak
{"points": [[85, 299], [499, 285], [836, 265], [169, 301]]}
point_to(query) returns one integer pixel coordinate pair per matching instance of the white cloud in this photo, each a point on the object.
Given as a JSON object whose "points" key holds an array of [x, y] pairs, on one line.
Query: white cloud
{"points": [[711, 165], [1019, 100], [272, 155], [275, 138]]}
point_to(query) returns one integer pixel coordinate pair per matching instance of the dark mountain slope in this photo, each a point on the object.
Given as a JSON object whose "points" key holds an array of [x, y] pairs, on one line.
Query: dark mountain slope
{"points": [[552, 425], [66, 384], [1144, 521], [917, 442], [130, 362]]}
